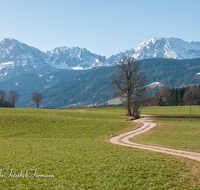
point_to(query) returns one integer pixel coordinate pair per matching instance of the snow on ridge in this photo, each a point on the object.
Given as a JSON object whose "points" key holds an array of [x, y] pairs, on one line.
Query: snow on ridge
{"points": [[154, 84], [7, 65], [72, 58], [77, 68], [174, 48], [80, 58]]}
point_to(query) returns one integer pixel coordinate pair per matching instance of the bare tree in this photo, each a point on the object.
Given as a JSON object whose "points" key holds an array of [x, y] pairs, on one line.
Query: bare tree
{"points": [[2, 97], [129, 82], [13, 97], [37, 98], [192, 97], [166, 94], [163, 96]]}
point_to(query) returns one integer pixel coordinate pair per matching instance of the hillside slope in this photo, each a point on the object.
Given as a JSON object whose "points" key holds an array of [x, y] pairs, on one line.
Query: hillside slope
{"points": [[27, 83], [90, 88], [94, 86]]}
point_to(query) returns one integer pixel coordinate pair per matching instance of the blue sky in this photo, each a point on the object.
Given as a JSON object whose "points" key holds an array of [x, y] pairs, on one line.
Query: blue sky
{"points": [[104, 27]]}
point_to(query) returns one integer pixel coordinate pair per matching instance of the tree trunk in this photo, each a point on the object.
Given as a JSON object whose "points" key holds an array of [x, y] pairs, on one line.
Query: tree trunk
{"points": [[129, 105], [37, 105]]}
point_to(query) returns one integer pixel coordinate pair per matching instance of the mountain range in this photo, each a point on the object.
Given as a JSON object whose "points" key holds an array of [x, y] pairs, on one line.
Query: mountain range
{"points": [[17, 58], [27, 69]]}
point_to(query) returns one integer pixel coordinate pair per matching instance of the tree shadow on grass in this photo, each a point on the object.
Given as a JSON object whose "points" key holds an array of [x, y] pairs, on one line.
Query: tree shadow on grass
{"points": [[178, 117]]}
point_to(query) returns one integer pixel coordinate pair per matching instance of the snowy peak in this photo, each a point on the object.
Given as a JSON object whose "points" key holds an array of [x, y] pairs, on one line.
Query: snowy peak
{"points": [[167, 48], [9, 42], [17, 58], [172, 48], [73, 58], [21, 54]]}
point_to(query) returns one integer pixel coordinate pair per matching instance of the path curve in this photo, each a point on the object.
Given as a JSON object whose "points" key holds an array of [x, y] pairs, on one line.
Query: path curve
{"points": [[123, 140]]}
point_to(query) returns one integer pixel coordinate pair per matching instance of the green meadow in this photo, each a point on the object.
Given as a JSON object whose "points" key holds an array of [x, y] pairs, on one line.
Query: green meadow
{"points": [[174, 129], [70, 149]]}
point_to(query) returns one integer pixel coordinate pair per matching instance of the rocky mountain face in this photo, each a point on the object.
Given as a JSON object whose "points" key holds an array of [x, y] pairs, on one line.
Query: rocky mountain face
{"points": [[17, 58], [171, 48], [73, 58]]}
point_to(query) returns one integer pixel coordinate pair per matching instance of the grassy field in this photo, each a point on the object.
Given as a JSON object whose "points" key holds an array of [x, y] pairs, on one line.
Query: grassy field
{"points": [[71, 148], [174, 128]]}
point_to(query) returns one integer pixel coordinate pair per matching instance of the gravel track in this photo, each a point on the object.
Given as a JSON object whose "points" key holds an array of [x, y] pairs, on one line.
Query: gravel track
{"points": [[123, 140]]}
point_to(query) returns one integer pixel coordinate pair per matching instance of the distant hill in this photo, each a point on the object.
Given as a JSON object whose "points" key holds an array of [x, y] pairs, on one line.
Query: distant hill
{"points": [[172, 72], [90, 88], [94, 87], [27, 83]]}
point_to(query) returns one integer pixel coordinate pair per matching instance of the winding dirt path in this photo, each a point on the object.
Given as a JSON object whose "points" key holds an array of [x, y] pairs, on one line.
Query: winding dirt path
{"points": [[123, 140]]}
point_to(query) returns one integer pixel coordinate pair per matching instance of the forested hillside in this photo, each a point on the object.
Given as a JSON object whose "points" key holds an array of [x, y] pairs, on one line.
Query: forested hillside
{"points": [[94, 86], [27, 83], [172, 72], [90, 88]]}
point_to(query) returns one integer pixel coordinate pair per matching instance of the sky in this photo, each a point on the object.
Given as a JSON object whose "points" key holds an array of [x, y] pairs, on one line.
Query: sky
{"points": [[104, 27]]}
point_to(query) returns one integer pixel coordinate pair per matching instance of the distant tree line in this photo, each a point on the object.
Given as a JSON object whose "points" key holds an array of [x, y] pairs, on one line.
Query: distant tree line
{"points": [[8, 101], [176, 96]]}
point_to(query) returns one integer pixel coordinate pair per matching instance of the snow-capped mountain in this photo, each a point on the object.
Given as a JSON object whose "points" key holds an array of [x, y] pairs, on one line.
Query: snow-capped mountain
{"points": [[17, 58], [173, 48], [115, 58], [73, 58]]}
